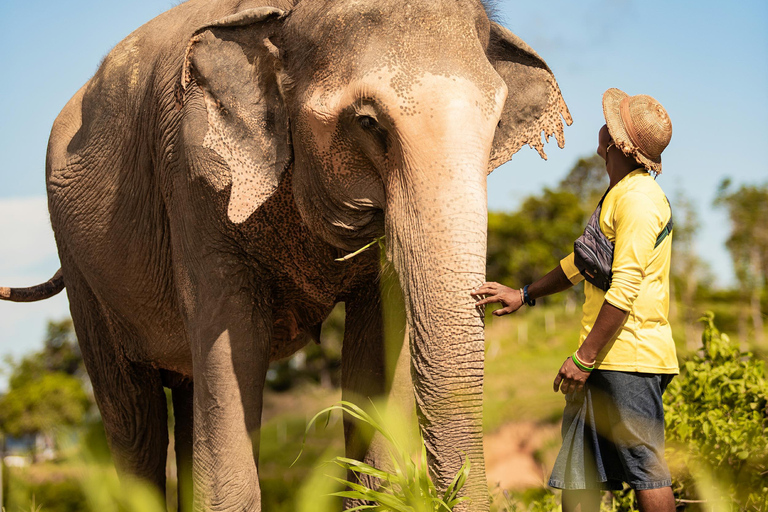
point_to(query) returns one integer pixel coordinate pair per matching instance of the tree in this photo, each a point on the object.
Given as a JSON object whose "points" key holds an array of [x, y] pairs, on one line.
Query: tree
{"points": [[45, 389], [688, 270], [42, 404], [587, 180], [60, 353], [524, 245], [748, 243]]}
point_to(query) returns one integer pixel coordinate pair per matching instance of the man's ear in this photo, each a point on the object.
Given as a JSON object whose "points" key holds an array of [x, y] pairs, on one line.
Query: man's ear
{"points": [[238, 70], [534, 102]]}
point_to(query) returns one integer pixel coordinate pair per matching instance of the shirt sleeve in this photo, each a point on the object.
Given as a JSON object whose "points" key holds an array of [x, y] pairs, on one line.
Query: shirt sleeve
{"points": [[637, 223], [570, 270]]}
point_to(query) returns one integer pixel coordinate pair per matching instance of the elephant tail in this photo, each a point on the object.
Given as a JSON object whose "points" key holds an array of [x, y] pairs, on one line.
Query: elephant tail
{"points": [[42, 291]]}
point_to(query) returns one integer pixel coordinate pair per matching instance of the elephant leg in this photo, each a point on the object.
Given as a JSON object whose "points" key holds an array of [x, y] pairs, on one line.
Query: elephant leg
{"points": [[130, 397], [135, 414], [182, 411], [363, 373], [230, 350]]}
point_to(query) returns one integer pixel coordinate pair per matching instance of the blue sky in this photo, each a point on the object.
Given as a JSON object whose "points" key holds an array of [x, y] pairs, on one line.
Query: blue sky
{"points": [[707, 62]]}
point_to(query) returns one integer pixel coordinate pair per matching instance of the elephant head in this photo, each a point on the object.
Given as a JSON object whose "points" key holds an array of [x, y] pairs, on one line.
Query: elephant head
{"points": [[391, 115]]}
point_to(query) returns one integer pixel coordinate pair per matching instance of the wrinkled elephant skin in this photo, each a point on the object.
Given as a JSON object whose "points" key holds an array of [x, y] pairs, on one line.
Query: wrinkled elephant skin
{"points": [[203, 183]]}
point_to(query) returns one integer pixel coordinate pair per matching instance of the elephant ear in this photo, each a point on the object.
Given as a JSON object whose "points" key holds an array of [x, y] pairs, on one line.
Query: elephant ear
{"points": [[238, 70], [534, 102]]}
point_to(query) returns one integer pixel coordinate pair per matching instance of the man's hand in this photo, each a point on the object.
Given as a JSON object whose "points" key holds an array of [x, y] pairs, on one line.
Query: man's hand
{"points": [[510, 299], [570, 378]]}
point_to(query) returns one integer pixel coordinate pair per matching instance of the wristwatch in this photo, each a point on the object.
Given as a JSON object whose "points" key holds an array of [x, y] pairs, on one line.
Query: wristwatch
{"points": [[528, 300]]}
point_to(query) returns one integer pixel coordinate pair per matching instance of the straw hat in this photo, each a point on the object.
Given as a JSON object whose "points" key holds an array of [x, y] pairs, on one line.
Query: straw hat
{"points": [[639, 126]]}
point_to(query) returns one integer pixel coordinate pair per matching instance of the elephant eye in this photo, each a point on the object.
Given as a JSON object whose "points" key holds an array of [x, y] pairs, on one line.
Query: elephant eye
{"points": [[366, 122]]}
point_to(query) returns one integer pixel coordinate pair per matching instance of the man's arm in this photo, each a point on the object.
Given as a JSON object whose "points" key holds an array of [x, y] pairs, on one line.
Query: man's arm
{"points": [[511, 299], [554, 282], [609, 320]]}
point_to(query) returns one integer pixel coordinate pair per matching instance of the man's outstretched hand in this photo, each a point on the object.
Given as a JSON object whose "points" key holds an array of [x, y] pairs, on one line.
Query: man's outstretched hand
{"points": [[510, 299]]}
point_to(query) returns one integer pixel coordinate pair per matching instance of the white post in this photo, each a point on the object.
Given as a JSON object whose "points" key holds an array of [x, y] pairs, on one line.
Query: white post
{"points": [[522, 332], [549, 321], [2, 462]]}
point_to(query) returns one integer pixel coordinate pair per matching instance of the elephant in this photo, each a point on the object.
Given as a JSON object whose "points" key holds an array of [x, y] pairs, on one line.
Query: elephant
{"points": [[205, 184]]}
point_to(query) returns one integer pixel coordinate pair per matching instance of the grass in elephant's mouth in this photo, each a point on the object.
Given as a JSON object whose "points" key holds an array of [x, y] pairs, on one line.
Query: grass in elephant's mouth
{"points": [[402, 484], [379, 240]]}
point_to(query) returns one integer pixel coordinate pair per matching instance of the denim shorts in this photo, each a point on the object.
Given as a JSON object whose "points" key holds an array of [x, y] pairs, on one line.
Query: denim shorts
{"points": [[613, 432]]}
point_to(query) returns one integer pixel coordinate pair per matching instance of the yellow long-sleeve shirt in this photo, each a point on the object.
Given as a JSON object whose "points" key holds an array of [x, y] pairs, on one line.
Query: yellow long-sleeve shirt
{"points": [[634, 213]]}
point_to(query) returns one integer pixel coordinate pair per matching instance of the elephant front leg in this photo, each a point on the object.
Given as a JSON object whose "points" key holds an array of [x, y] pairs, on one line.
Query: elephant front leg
{"points": [[230, 354]]}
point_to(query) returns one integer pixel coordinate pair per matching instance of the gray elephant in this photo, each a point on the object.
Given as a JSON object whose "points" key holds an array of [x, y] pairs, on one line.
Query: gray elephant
{"points": [[204, 182]]}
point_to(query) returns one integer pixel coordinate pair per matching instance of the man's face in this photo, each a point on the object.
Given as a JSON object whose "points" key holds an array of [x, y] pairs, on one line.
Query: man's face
{"points": [[603, 140]]}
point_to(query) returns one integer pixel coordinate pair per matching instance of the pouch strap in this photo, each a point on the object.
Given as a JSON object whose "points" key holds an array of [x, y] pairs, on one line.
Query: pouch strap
{"points": [[668, 228], [664, 232]]}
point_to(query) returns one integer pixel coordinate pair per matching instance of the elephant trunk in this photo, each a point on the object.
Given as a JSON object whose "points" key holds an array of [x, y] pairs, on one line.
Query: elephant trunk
{"points": [[437, 242]]}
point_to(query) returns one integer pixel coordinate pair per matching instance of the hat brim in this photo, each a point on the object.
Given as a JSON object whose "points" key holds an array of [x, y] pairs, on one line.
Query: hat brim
{"points": [[611, 110]]}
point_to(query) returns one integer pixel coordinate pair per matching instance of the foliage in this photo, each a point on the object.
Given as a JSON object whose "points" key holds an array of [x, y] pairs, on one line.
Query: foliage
{"points": [[83, 481], [319, 363], [51, 488], [60, 354], [42, 404], [690, 275], [303, 486], [544, 499], [45, 389], [407, 486], [717, 423], [747, 208], [61, 350], [587, 180], [533, 500], [525, 245], [748, 244]]}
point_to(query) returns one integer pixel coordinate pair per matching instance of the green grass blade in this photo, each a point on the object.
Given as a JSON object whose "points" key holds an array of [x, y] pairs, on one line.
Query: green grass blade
{"points": [[362, 507], [306, 430], [361, 467], [458, 481]]}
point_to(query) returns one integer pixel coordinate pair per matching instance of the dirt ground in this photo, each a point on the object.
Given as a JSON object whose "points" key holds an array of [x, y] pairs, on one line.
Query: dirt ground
{"points": [[519, 455]]}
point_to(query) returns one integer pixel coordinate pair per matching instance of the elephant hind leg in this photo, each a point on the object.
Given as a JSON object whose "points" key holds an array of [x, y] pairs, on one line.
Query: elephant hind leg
{"points": [[130, 397]]}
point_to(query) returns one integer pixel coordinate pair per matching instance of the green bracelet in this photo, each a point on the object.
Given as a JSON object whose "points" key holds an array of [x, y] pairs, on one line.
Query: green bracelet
{"points": [[580, 365]]}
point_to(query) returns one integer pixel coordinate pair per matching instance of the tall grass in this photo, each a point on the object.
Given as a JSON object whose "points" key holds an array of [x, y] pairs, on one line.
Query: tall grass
{"points": [[403, 484]]}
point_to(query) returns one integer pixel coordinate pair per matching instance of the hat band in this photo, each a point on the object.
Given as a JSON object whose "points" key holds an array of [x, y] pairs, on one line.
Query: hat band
{"points": [[627, 120]]}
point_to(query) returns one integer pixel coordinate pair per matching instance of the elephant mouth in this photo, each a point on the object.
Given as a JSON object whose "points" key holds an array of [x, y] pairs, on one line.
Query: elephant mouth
{"points": [[353, 235]]}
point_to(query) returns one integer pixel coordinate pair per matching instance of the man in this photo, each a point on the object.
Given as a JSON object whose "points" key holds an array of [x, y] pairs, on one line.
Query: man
{"points": [[613, 423]]}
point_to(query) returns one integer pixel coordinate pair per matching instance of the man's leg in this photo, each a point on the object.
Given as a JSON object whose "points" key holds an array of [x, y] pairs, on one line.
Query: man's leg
{"points": [[655, 500], [581, 500]]}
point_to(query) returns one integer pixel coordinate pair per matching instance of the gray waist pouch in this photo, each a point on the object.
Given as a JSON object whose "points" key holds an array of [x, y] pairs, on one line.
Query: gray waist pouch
{"points": [[593, 252]]}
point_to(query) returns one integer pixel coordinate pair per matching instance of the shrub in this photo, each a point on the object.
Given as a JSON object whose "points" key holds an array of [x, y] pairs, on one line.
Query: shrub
{"points": [[717, 425], [532, 500], [50, 487]]}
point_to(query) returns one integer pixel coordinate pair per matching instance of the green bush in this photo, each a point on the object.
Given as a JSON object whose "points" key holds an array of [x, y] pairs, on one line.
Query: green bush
{"points": [[533, 500], [717, 425], [50, 487]]}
